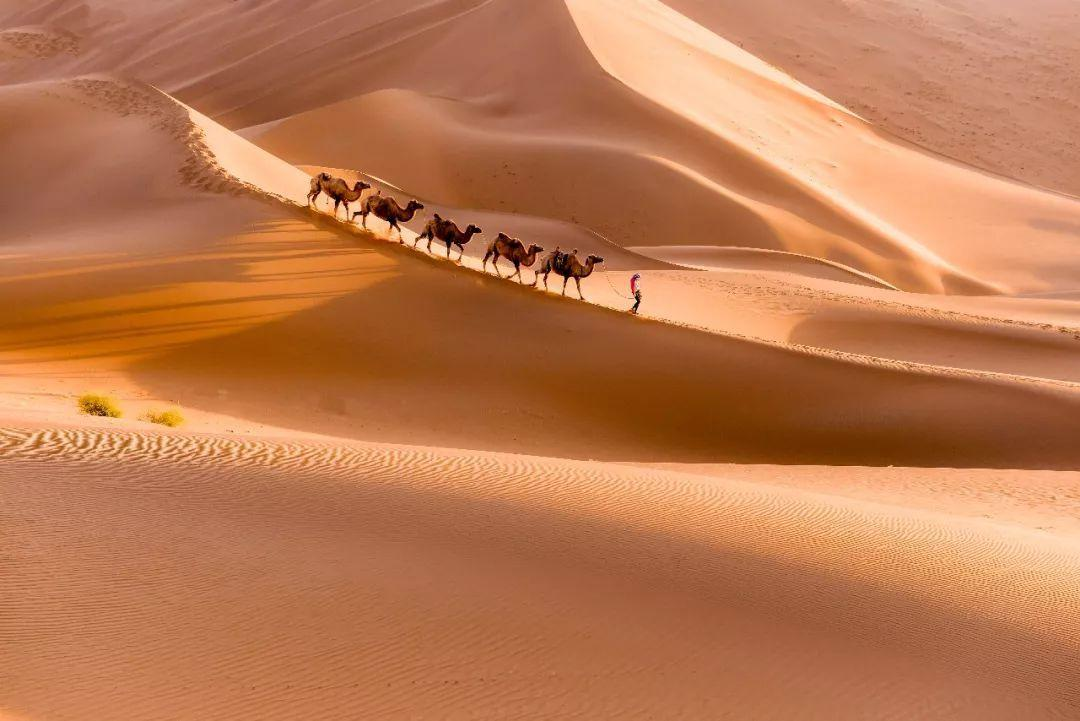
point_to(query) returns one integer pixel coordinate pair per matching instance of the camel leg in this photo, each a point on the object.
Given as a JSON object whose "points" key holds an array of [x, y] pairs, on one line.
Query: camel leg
{"points": [[577, 281], [400, 239], [448, 244], [363, 218], [545, 281], [336, 204], [517, 272], [461, 256], [346, 210], [495, 265], [564, 280]]}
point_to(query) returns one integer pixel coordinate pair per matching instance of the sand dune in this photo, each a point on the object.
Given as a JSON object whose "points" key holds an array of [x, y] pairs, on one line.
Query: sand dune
{"points": [[552, 233], [288, 579], [407, 488], [1041, 500], [989, 83], [752, 158], [358, 338]]}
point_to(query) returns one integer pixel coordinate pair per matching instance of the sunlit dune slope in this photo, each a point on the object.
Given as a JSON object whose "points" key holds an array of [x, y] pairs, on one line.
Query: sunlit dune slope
{"points": [[626, 118], [989, 82]]}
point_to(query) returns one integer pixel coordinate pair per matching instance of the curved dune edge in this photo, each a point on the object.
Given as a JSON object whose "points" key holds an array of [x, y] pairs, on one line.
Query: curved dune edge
{"points": [[227, 141], [768, 167], [728, 258], [285, 179], [544, 130], [432, 581], [553, 233], [767, 126], [595, 175], [275, 296]]}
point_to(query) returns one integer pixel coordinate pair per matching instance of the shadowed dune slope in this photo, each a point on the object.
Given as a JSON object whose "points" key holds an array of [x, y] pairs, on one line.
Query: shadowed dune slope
{"points": [[356, 337]]}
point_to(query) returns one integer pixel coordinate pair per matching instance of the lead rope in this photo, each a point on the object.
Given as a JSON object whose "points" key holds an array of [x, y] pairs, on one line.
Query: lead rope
{"points": [[627, 297]]}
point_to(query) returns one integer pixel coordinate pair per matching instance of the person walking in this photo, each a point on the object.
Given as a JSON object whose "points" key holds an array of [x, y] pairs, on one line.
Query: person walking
{"points": [[635, 290]]}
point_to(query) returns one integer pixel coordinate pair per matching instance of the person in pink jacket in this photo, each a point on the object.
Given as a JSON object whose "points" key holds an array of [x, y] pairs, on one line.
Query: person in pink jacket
{"points": [[635, 290]]}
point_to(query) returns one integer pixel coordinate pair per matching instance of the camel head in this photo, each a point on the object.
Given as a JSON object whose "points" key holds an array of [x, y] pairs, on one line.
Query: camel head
{"points": [[534, 248], [474, 229], [414, 205], [596, 259], [360, 186]]}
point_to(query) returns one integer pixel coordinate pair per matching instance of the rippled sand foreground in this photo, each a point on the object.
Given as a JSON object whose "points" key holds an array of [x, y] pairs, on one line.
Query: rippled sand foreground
{"points": [[181, 576]]}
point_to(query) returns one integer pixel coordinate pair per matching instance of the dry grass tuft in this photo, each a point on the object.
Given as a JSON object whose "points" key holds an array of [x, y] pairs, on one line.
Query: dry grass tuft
{"points": [[170, 418], [93, 404]]}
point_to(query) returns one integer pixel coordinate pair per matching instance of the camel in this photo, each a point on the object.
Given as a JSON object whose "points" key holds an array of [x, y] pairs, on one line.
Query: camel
{"points": [[513, 250], [568, 266], [388, 209], [316, 186], [337, 189], [448, 232], [554, 258]]}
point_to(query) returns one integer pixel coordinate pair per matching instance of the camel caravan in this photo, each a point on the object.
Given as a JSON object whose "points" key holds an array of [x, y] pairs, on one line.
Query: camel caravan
{"points": [[443, 230]]}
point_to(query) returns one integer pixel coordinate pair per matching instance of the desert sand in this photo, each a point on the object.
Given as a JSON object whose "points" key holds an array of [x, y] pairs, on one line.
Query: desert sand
{"points": [[831, 472]]}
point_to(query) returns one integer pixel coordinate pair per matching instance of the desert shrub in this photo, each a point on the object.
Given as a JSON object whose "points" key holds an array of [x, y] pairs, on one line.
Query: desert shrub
{"points": [[170, 418], [93, 404]]}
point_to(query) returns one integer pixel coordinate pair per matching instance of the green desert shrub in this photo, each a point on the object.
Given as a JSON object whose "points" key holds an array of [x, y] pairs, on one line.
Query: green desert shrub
{"points": [[170, 418], [93, 404]]}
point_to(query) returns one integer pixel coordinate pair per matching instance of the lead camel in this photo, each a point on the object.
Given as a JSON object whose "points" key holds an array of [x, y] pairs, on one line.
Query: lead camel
{"points": [[568, 266]]}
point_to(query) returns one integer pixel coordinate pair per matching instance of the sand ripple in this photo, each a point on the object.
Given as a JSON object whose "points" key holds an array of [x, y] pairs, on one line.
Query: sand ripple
{"points": [[194, 576]]}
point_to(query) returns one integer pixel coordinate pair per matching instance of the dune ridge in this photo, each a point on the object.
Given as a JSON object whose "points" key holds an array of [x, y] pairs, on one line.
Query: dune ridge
{"points": [[322, 306], [752, 156]]}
